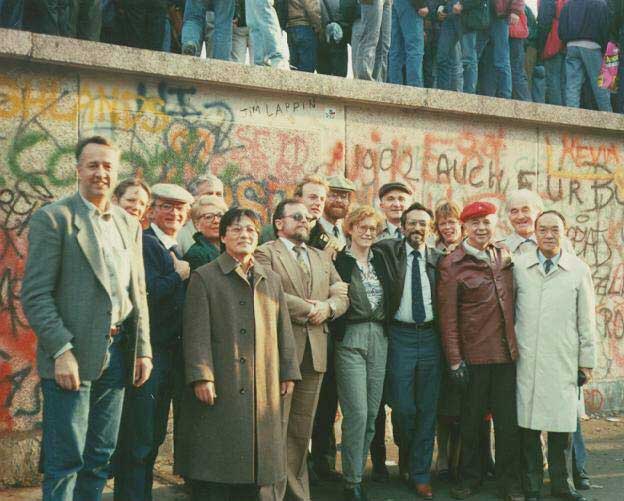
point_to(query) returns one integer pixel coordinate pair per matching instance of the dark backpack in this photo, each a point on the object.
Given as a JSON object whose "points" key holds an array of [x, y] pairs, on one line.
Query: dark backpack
{"points": [[281, 8]]}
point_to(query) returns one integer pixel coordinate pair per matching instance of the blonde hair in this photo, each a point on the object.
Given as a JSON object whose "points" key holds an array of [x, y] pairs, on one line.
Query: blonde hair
{"points": [[205, 200], [360, 213], [446, 209], [310, 179]]}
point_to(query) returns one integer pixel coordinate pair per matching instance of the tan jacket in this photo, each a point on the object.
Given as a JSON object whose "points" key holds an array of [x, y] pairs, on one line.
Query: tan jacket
{"points": [[276, 256], [304, 13], [241, 339]]}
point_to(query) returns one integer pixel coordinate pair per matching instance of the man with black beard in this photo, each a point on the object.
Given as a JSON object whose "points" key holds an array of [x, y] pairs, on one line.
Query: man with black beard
{"points": [[327, 234], [314, 294]]}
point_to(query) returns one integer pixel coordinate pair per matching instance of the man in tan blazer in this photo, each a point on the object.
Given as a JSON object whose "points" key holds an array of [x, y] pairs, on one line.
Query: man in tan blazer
{"points": [[314, 294]]}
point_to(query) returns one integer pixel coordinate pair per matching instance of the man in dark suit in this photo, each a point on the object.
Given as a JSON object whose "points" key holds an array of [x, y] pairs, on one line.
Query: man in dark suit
{"points": [[414, 345], [84, 296], [146, 410]]}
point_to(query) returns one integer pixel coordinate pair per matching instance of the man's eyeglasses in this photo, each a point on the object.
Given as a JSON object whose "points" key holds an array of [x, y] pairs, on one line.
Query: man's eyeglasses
{"points": [[339, 195], [237, 230], [169, 207], [300, 217]]}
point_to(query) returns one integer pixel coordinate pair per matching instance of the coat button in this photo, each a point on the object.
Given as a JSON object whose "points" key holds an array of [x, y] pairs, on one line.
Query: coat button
{"points": [[242, 391], [243, 331], [242, 360]]}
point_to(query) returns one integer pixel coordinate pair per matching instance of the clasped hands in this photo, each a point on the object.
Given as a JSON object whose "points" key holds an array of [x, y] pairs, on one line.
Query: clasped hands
{"points": [[206, 392], [321, 311]]}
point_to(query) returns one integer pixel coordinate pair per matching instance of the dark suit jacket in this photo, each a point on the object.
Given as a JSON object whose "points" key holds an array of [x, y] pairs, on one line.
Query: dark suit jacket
{"points": [[394, 258], [165, 292]]}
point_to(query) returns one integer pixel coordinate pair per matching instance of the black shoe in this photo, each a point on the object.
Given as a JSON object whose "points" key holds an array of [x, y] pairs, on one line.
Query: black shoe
{"points": [[533, 496], [463, 491], [569, 496], [582, 484], [381, 474], [355, 493]]}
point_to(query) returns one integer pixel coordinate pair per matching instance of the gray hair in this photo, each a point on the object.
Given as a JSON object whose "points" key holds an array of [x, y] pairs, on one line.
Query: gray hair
{"points": [[205, 178], [524, 195]]}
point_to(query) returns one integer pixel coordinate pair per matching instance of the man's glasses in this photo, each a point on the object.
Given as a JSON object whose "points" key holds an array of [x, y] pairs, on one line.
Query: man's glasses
{"points": [[299, 217], [238, 230], [169, 207]]}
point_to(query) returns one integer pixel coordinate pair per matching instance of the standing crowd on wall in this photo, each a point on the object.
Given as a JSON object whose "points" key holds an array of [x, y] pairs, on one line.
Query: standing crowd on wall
{"points": [[146, 298], [566, 54]]}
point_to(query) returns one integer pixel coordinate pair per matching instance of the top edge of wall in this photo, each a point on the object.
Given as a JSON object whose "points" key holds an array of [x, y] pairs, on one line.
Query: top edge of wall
{"points": [[95, 56]]}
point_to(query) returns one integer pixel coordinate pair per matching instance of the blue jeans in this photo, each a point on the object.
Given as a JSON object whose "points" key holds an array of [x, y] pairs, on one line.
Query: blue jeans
{"points": [[194, 25], [11, 14], [144, 427], [80, 431], [538, 84], [555, 80], [582, 63], [265, 32], [470, 61], [520, 82], [414, 365], [303, 47], [450, 74], [408, 45], [579, 453], [370, 41], [494, 77]]}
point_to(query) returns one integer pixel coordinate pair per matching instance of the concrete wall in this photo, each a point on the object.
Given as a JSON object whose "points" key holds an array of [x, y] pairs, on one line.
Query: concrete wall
{"points": [[260, 130]]}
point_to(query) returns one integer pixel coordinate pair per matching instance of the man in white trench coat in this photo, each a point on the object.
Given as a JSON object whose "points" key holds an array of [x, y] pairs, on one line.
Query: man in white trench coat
{"points": [[555, 326]]}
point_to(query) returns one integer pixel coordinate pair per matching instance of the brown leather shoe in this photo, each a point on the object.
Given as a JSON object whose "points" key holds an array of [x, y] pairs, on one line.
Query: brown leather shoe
{"points": [[424, 491]]}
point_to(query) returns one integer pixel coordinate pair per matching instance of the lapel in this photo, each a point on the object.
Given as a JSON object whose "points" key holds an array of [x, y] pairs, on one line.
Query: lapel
{"points": [[291, 266], [315, 264], [401, 257], [88, 241], [122, 228]]}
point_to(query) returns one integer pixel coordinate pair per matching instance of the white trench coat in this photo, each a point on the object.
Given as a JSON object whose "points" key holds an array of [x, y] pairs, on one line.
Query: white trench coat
{"points": [[555, 327]]}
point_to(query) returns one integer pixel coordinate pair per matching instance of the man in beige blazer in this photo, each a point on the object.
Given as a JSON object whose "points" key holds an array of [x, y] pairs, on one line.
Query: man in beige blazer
{"points": [[314, 294]]}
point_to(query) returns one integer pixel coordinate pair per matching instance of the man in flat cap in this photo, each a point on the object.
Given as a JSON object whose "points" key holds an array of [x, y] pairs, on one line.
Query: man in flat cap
{"points": [[323, 452], [475, 301], [84, 296], [146, 409], [394, 198]]}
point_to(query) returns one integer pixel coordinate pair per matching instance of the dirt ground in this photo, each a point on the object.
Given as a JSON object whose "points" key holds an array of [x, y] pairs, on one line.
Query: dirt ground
{"points": [[604, 439]]}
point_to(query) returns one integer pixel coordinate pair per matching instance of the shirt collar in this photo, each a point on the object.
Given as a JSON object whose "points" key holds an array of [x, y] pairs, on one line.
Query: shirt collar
{"points": [[291, 245], [542, 258], [473, 251], [391, 229], [409, 249], [166, 240], [95, 211], [329, 227], [514, 241]]}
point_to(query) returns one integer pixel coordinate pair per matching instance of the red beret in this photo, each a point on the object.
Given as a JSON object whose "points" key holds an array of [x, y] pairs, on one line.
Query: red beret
{"points": [[477, 209]]}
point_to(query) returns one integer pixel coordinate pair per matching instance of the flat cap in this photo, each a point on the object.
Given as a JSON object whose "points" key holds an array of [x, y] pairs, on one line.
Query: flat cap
{"points": [[396, 186], [340, 183], [171, 192], [477, 209]]}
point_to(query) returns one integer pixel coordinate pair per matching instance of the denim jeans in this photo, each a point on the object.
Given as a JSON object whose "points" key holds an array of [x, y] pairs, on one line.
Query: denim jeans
{"points": [[579, 453], [332, 59], [241, 42], [519, 80], [555, 80], [80, 431], [194, 27], [265, 33], [470, 61], [538, 84], [582, 63], [303, 47], [370, 41], [141, 23], [70, 18], [498, 42], [11, 14], [144, 427], [408, 45], [414, 365], [486, 83], [450, 74]]}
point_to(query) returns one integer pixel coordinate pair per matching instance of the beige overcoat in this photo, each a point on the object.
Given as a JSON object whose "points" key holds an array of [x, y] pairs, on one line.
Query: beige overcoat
{"points": [[242, 340], [555, 329]]}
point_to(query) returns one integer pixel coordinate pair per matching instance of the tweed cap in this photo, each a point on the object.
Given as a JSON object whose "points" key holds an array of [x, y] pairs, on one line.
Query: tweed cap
{"points": [[171, 192], [398, 186], [340, 183]]}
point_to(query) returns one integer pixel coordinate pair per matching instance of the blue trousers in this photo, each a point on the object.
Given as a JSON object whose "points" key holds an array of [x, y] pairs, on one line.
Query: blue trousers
{"points": [[555, 80], [414, 370], [407, 47], [144, 427], [303, 47], [450, 74], [582, 63], [80, 431], [195, 21], [11, 14], [519, 80]]}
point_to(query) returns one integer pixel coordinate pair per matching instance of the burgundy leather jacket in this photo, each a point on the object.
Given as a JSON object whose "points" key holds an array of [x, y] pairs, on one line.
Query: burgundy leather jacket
{"points": [[476, 307]]}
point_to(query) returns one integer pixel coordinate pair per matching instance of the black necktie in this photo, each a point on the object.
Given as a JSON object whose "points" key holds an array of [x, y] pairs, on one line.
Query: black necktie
{"points": [[397, 233], [418, 305], [177, 250], [548, 264], [336, 232]]}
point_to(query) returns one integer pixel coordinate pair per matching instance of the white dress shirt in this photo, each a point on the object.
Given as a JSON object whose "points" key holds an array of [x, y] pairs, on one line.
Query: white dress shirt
{"points": [[167, 240], [291, 248], [404, 313], [329, 229]]}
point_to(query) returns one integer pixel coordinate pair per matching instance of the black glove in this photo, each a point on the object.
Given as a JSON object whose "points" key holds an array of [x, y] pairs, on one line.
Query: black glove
{"points": [[460, 376]]}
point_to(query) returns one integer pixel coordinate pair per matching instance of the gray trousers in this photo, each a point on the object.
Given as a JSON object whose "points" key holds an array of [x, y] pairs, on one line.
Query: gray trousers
{"points": [[360, 372], [370, 41]]}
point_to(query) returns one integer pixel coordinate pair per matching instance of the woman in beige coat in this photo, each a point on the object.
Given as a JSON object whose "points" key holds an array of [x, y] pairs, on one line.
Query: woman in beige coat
{"points": [[240, 361]]}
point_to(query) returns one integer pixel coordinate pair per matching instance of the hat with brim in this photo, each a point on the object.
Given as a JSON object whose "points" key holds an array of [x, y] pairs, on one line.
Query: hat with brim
{"points": [[396, 186], [171, 192], [340, 183]]}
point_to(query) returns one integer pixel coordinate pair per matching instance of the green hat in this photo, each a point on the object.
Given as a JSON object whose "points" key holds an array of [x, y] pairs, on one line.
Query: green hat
{"points": [[340, 183]]}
